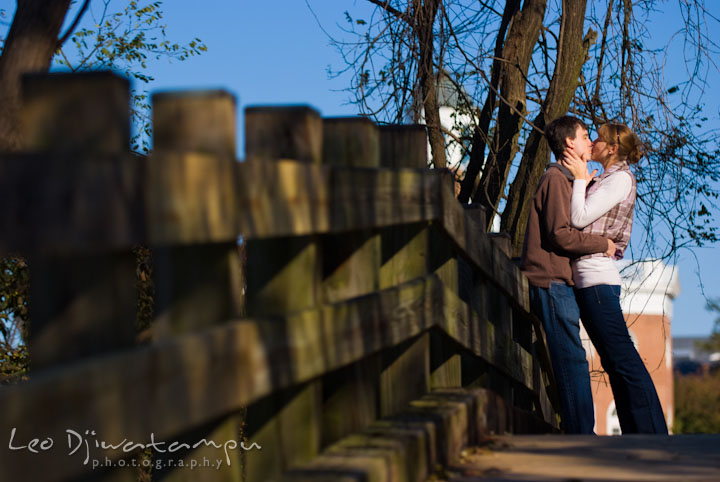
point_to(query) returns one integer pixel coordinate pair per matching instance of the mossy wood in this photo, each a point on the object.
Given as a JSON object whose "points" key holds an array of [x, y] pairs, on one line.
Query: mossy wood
{"points": [[197, 285], [373, 327]]}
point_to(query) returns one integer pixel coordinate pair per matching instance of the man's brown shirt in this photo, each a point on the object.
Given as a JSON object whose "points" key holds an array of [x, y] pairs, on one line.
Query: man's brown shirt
{"points": [[550, 241]]}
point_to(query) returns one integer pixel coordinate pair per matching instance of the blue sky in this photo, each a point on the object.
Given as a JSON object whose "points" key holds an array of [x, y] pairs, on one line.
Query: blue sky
{"points": [[274, 52]]}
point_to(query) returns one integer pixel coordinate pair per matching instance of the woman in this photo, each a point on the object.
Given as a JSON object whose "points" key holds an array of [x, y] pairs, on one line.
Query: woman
{"points": [[606, 209]]}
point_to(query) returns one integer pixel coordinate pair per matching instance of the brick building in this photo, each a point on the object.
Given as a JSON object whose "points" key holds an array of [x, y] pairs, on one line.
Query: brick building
{"points": [[648, 290]]}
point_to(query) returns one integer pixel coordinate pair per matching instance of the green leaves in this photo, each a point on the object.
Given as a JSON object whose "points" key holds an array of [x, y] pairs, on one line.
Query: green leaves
{"points": [[14, 365], [697, 396], [126, 41], [696, 403], [14, 283]]}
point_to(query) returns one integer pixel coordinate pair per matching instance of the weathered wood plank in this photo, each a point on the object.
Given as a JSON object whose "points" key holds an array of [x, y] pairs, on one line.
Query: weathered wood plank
{"points": [[63, 204], [283, 198], [302, 200], [451, 418], [306, 329], [196, 377], [223, 368], [460, 322], [474, 244], [406, 447], [393, 449], [191, 198], [309, 199]]}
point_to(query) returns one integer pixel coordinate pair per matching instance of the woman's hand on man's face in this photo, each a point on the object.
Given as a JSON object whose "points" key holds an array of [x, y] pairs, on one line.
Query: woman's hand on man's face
{"points": [[577, 167]]}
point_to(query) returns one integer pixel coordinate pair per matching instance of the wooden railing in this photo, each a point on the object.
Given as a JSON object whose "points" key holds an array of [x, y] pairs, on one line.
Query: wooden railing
{"points": [[362, 313]]}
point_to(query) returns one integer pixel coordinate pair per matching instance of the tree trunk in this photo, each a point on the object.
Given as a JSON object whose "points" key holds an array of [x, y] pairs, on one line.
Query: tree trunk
{"points": [[477, 147], [572, 54], [425, 13], [519, 45], [29, 47]]}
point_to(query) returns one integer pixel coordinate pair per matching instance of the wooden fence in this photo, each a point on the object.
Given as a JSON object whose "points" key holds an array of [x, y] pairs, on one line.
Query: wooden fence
{"points": [[364, 328]]}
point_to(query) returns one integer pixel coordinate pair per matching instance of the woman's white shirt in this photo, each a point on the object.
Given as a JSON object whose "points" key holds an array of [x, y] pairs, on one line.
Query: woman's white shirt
{"points": [[610, 192], [584, 211]]}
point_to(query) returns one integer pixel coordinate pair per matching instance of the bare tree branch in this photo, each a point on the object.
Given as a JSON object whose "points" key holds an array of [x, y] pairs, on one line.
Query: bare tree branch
{"points": [[74, 24], [386, 6]]}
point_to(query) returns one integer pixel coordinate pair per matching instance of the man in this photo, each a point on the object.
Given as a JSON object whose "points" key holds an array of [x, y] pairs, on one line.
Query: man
{"points": [[550, 244]]}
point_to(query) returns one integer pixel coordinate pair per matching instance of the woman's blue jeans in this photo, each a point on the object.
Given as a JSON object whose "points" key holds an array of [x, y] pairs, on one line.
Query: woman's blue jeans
{"points": [[558, 310], [636, 400]]}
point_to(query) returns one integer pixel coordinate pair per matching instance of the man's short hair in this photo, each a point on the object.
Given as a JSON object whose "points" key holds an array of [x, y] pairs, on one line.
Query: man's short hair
{"points": [[558, 130]]}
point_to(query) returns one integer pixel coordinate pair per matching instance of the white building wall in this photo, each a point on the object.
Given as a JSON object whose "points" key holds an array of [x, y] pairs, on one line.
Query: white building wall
{"points": [[648, 288]]}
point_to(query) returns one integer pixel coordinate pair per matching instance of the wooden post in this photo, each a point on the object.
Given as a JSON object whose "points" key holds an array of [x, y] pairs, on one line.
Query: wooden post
{"points": [[443, 262], [283, 276], [197, 285], [405, 376], [83, 303], [404, 248], [406, 368], [443, 259], [350, 397], [76, 113], [350, 142], [351, 262], [499, 313], [502, 241], [198, 121], [283, 133], [445, 362], [476, 212], [351, 268], [404, 146]]}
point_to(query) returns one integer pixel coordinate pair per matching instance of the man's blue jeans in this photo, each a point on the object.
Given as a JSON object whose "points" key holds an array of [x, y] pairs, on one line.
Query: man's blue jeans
{"points": [[560, 316], [636, 400]]}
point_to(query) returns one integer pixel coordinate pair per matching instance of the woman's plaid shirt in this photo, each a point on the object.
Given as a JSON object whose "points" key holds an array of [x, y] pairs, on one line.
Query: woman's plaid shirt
{"points": [[616, 224]]}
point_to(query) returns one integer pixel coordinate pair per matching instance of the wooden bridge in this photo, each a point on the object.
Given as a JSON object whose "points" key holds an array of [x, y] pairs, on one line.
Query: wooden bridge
{"points": [[324, 310]]}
